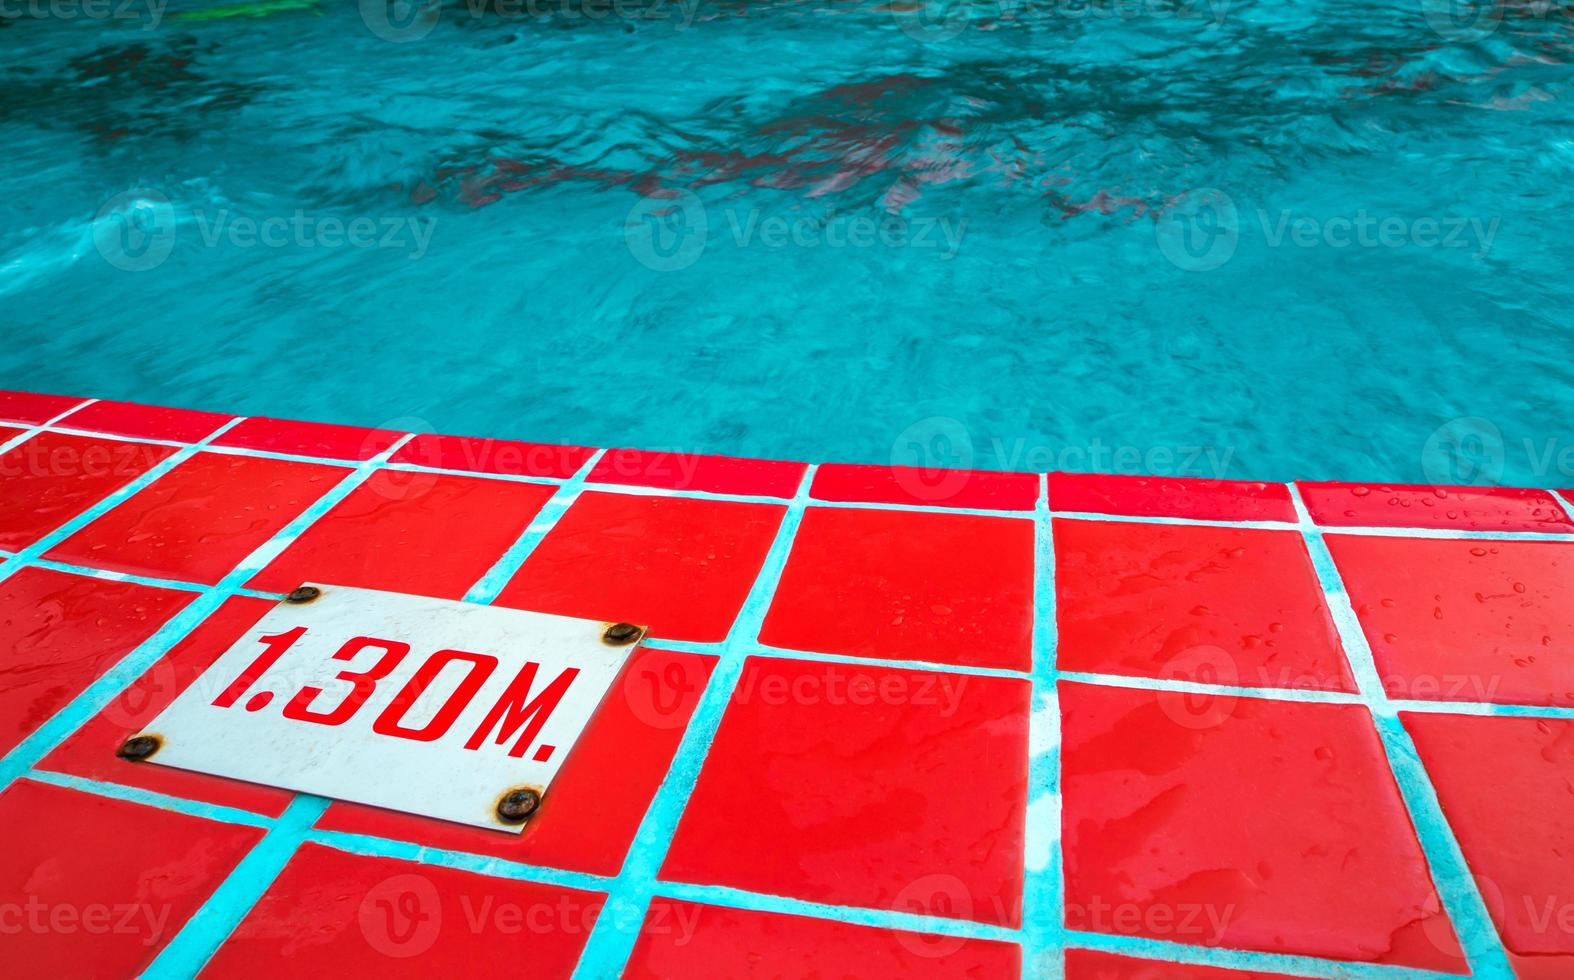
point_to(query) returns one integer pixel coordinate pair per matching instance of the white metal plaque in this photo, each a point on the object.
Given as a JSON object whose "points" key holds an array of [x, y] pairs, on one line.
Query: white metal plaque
{"points": [[422, 705]]}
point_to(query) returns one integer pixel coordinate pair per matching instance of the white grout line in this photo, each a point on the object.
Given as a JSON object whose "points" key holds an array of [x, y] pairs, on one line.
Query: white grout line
{"points": [[612, 939], [1455, 886], [637, 884], [581, 477]]}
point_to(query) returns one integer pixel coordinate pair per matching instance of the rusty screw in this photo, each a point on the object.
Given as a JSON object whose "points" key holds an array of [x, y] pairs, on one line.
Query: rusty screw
{"points": [[621, 634], [303, 595], [517, 805], [139, 747]]}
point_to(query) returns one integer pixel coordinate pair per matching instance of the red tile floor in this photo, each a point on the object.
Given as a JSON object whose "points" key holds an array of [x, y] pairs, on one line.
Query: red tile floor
{"points": [[888, 722]]}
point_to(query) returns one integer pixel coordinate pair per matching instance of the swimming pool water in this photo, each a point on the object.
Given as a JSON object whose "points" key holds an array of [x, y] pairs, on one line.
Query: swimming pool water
{"points": [[1247, 239]]}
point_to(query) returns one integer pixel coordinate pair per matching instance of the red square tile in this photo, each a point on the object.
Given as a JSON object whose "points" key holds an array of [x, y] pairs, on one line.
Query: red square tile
{"points": [[59, 633], [864, 785], [423, 533], [1086, 964], [97, 886], [500, 456], [1459, 508], [678, 565], [709, 942], [90, 751], [52, 478], [308, 438], [1199, 603], [31, 409], [947, 588], [1271, 825], [691, 471], [1153, 496], [201, 519], [146, 421], [335, 914], [1465, 620], [1505, 785], [589, 816], [982, 489]]}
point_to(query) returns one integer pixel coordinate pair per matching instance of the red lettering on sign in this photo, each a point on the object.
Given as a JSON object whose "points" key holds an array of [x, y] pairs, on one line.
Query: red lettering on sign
{"points": [[514, 712], [481, 667], [276, 645], [365, 681]]}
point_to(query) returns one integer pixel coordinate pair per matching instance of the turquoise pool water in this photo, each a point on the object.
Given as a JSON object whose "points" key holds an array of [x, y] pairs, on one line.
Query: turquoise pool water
{"points": [[1251, 239]]}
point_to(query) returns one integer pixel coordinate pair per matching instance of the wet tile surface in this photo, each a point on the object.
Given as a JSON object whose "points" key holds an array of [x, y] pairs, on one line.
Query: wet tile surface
{"points": [[86, 904], [1208, 604], [334, 914], [146, 421], [345, 442], [1087, 964], [977, 489], [1261, 825], [1506, 785], [680, 566], [31, 409], [685, 939], [1143, 496], [1457, 508], [90, 751], [53, 477], [600, 795], [945, 588], [421, 533], [60, 632], [869, 786], [1466, 620], [836, 815], [200, 519]]}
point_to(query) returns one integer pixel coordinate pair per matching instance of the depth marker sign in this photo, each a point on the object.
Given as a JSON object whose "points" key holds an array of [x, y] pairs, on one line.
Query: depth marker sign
{"points": [[445, 709]]}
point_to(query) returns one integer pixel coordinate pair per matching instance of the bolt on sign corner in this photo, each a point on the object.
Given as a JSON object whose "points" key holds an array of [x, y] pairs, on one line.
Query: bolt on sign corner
{"points": [[445, 709]]}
